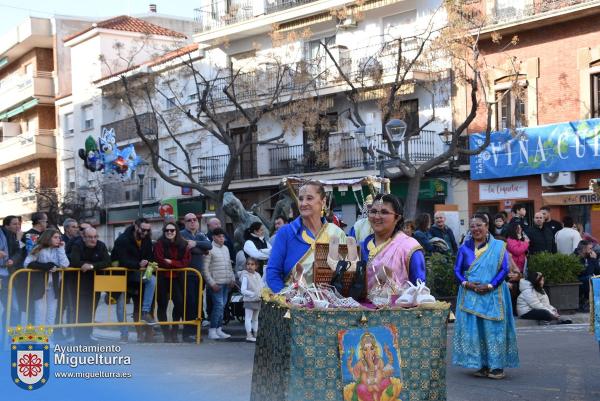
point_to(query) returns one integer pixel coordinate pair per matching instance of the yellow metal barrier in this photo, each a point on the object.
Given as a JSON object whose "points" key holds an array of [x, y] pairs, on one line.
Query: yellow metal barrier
{"points": [[110, 280]]}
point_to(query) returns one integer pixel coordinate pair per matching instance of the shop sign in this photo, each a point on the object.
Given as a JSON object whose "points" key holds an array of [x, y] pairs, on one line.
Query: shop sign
{"points": [[571, 146], [580, 198], [503, 190]]}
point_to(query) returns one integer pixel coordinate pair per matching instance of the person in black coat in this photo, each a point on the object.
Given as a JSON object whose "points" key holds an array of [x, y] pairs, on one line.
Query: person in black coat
{"points": [[89, 255], [540, 236], [133, 250], [200, 246], [11, 225], [590, 267], [554, 225]]}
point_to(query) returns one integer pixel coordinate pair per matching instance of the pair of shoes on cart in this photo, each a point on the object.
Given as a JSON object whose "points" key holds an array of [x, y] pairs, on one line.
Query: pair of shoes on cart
{"points": [[415, 295], [333, 257]]}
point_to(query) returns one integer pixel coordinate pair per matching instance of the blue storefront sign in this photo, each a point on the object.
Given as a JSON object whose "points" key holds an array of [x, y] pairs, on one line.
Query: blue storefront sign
{"points": [[570, 146]]}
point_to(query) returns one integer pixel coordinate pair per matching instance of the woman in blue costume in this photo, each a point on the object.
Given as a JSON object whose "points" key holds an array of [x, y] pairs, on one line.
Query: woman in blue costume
{"points": [[484, 331], [294, 251]]}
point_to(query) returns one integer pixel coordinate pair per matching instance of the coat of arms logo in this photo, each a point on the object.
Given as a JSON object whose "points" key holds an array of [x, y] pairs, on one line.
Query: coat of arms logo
{"points": [[30, 356]]}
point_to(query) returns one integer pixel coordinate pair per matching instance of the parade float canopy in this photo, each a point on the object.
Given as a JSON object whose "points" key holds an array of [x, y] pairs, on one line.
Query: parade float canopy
{"points": [[374, 184]]}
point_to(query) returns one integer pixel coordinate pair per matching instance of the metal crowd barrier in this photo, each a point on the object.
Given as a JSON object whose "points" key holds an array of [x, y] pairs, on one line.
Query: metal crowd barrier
{"points": [[106, 281]]}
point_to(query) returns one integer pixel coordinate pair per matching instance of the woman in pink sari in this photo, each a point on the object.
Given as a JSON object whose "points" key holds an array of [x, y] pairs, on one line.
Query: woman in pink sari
{"points": [[389, 251]]}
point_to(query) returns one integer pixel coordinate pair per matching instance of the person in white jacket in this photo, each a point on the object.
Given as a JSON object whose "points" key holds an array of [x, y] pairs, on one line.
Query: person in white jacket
{"points": [[567, 238], [252, 285], [256, 245], [533, 302], [47, 255]]}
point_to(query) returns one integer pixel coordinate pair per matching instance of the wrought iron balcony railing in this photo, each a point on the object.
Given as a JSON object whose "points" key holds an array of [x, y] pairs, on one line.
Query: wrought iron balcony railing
{"points": [[211, 169], [125, 129], [519, 12], [222, 13]]}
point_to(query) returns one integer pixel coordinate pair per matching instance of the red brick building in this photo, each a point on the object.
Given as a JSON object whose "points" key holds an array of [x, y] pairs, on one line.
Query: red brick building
{"points": [[550, 76]]}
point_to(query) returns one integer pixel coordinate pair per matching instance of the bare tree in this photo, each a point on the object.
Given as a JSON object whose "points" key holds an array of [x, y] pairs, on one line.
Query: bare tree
{"points": [[229, 102], [77, 205], [436, 58]]}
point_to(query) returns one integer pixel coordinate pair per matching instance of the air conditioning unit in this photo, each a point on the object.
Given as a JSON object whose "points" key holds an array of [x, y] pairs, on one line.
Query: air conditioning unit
{"points": [[558, 178]]}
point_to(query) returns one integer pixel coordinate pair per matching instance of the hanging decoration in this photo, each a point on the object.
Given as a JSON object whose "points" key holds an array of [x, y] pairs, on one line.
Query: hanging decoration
{"points": [[107, 157]]}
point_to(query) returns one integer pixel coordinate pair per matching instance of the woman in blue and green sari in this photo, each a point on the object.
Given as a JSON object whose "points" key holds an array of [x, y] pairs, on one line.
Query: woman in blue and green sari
{"points": [[293, 254], [484, 331]]}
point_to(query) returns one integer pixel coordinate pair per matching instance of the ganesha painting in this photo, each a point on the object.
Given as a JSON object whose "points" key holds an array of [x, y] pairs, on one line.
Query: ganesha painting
{"points": [[370, 364]]}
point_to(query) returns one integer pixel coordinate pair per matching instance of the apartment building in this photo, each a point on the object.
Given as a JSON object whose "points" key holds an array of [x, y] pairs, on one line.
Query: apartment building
{"points": [[97, 51], [244, 35], [28, 145], [547, 81]]}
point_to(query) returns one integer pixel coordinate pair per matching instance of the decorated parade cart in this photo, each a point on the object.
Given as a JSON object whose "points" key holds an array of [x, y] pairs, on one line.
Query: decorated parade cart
{"points": [[318, 342]]}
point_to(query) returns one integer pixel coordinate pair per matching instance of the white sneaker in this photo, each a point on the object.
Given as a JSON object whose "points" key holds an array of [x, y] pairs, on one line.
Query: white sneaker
{"points": [[251, 338], [212, 334], [222, 334], [205, 323]]}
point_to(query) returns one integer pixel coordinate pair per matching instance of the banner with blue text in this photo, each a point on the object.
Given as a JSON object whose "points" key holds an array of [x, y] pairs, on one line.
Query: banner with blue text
{"points": [[570, 146]]}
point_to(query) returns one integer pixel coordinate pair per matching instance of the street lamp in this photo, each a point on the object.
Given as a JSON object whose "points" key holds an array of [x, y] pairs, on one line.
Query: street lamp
{"points": [[396, 129], [141, 173], [446, 136]]}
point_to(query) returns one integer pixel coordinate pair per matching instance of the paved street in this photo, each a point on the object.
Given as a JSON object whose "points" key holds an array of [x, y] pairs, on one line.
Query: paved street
{"points": [[557, 363]]}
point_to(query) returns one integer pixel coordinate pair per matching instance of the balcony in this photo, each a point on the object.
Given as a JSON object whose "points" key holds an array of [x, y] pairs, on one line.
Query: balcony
{"points": [[17, 89], [349, 155], [365, 66], [23, 148], [125, 129], [222, 13], [129, 191], [211, 169], [536, 9], [297, 159]]}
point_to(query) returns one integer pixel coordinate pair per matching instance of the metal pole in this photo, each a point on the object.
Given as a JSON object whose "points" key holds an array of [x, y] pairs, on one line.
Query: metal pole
{"points": [[381, 173], [140, 195]]}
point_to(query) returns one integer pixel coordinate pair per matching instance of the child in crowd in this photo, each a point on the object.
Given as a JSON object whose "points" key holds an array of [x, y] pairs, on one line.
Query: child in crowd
{"points": [[251, 288], [47, 255]]}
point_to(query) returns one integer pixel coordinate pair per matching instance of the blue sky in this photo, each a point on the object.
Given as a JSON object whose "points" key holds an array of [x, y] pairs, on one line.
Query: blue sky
{"points": [[12, 12]]}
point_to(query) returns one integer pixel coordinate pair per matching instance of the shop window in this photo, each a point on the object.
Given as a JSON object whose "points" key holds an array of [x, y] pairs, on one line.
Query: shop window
{"points": [[511, 108], [595, 95]]}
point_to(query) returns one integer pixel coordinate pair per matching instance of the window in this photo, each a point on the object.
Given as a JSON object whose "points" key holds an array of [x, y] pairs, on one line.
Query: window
{"points": [[88, 117], [595, 95], [151, 191], [511, 108], [29, 70], [3, 187], [17, 181], [408, 111], [31, 181], [70, 179], [193, 97], [170, 103], [315, 53], [172, 158], [68, 124]]}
